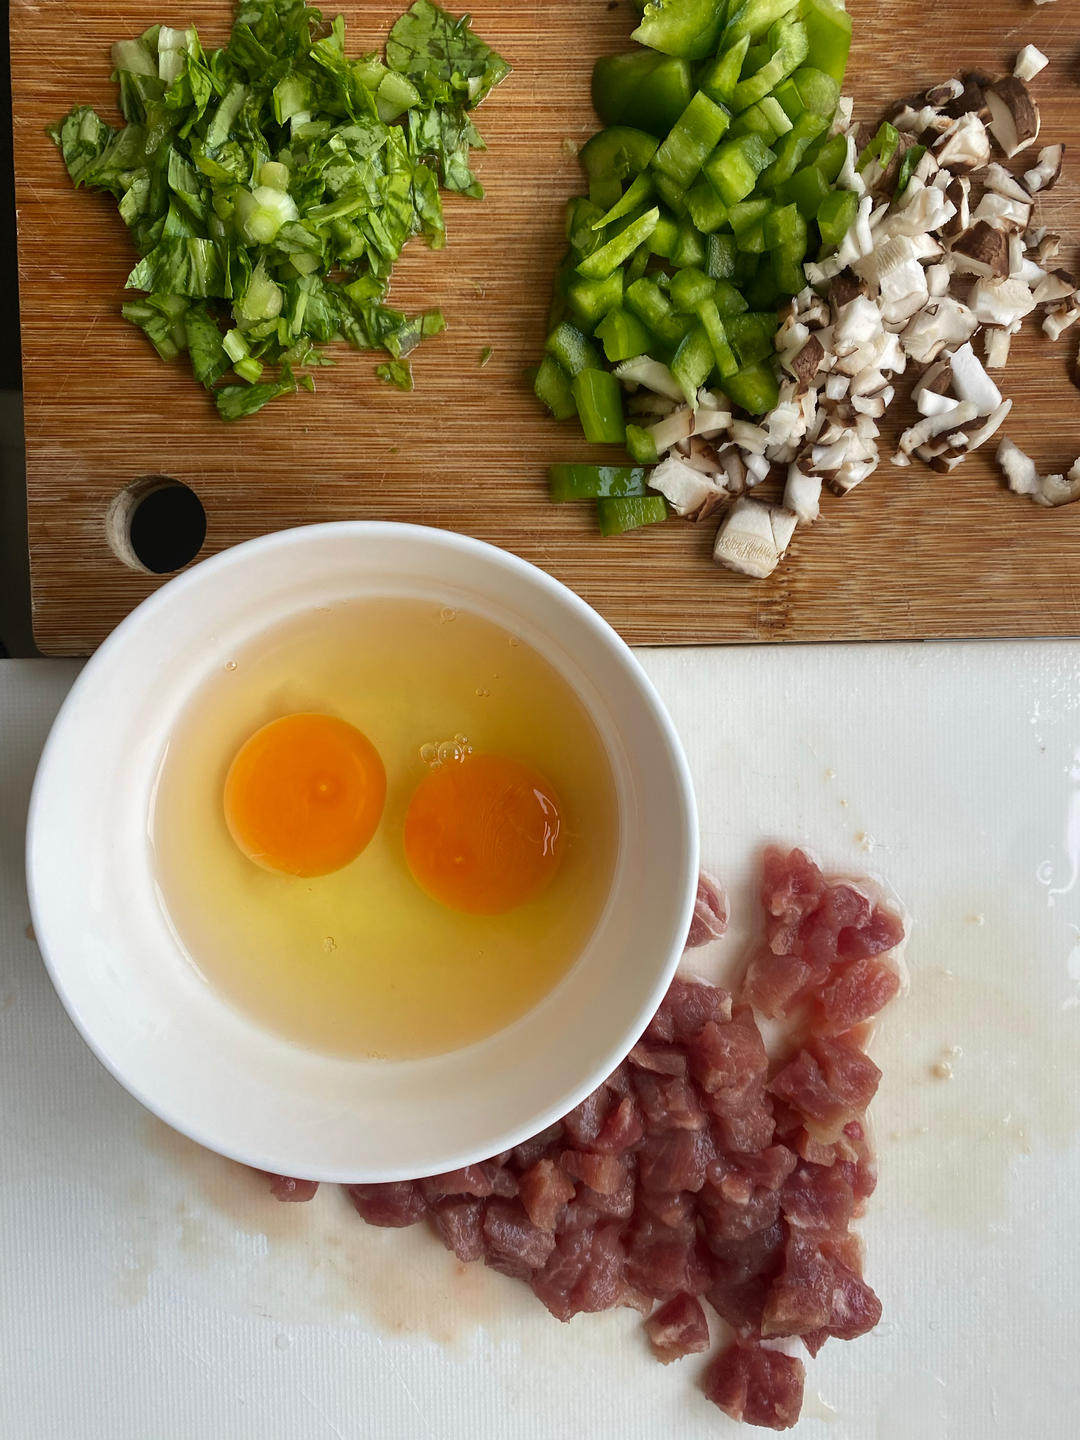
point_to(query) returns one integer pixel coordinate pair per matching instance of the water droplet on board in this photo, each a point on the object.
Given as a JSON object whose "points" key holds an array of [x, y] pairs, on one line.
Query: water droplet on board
{"points": [[230, 664], [483, 694], [329, 944], [446, 615]]}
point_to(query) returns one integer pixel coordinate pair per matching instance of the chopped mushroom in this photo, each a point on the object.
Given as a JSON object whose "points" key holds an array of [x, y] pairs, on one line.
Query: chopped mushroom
{"points": [[1057, 490], [652, 374], [1019, 469], [1046, 172], [964, 146], [1057, 285], [802, 494], [971, 382], [754, 538], [1030, 62], [1000, 302], [685, 488], [946, 322], [1003, 210], [983, 251], [998, 343], [1014, 116], [1061, 318]]}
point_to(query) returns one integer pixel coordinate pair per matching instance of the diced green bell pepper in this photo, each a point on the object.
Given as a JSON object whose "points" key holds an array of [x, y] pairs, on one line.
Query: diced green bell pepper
{"points": [[591, 300], [617, 152], [689, 287], [789, 45], [636, 196], [691, 247], [552, 386], [641, 446], [830, 158], [817, 89], [729, 299], [882, 147], [600, 406], [751, 336], [748, 224], [595, 482], [720, 256], [836, 215], [691, 140], [791, 149], [653, 308], [581, 233], [754, 388], [639, 262], [642, 88], [720, 77], [753, 18], [693, 363], [763, 291], [806, 189], [620, 247], [623, 336], [664, 240], [828, 27], [713, 325], [908, 165], [617, 516], [671, 193], [785, 229], [572, 349], [706, 209], [689, 28], [734, 166]]}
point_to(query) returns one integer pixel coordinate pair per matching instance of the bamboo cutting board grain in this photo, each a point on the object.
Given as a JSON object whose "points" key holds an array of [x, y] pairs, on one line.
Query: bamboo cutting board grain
{"points": [[908, 554]]}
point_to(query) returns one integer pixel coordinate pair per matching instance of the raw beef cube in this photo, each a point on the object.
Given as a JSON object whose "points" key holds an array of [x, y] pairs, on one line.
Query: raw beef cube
{"points": [[512, 1243], [762, 1387], [678, 1328], [397, 1204], [710, 917], [544, 1189], [460, 1223]]}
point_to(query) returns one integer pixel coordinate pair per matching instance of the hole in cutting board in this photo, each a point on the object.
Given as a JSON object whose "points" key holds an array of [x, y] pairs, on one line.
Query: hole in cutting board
{"points": [[156, 524]]}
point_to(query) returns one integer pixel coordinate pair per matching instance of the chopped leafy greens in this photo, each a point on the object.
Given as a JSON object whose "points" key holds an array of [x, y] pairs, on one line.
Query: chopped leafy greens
{"points": [[270, 186]]}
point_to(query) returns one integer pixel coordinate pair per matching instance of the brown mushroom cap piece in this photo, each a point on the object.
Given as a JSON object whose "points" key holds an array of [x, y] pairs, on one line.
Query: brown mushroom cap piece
{"points": [[1014, 116], [1057, 285], [982, 251]]}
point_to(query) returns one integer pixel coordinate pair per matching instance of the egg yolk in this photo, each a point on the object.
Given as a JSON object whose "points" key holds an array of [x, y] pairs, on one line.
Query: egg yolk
{"points": [[304, 795], [483, 834]]}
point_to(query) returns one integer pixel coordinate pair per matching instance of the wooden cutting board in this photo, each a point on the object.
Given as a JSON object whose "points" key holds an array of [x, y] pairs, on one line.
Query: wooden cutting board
{"points": [[908, 554]]}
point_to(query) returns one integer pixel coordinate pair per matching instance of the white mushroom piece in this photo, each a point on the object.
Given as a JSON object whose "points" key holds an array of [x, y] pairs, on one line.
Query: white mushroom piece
{"points": [[982, 251], [1019, 469], [964, 146], [1046, 172], [944, 323], [1030, 62], [1059, 489], [687, 490], [1060, 318], [1014, 116], [754, 538], [1000, 302], [802, 494]]}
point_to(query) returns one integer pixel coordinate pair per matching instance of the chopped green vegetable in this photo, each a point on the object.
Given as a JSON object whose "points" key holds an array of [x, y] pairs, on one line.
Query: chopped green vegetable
{"points": [[485, 355], [552, 387], [599, 403], [270, 186], [396, 372], [595, 482], [689, 28], [617, 516]]}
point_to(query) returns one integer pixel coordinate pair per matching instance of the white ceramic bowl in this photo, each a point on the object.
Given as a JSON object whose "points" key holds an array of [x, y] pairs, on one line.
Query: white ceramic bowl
{"points": [[201, 1065]]}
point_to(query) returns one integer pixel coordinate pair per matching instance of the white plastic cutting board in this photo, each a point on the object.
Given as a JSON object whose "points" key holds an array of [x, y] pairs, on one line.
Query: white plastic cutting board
{"points": [[149, 1291]]}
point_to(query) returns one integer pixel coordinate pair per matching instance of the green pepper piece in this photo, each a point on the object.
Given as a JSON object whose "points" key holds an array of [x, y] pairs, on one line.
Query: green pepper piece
{"points": [[689, 28], [689, 287], [729, 300], [713, 325], [785, 229], [581, 234], [830, 158], [642, 88], [748, 224], [720, 256], [789, 49], [665, 238], [818, 90], [693, 363], [619, 249], [638, 262], [691, 140], [591, 300], [806, 189], [672, 194], [706, 209], [653, 308], [791, 149], [751, 336], [753, 18], [908, 166], [691, 247], [787, 277], [641, 445], [623, 336], [882, 147], [762, 292], [617, 152], [617, 516], [828, 27], [754, 388], [836, 215], [733, 167], [719, 78], [788, 98], [775, 114], [638, 193], [552, 386], [600, 407], [595, 482], [572, 350]]}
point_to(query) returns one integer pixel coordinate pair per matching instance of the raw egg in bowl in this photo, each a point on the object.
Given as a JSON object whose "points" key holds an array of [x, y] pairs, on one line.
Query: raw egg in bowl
{"points": [[362, 851]]}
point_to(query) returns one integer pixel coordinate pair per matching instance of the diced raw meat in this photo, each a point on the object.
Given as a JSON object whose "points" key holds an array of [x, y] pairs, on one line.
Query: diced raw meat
{"points": [[762, 1387], [883, 932], [619, 1205], [730, 1060], [747, 1127], [678, 1328], [472, 1180], [709, 920], [661, 1262], [673, 1209], [460, 1224], [734, 1219], [512, 1243], [801, 1296], [829, 1083], [584, 1272], [842, 909], [686, 1007], [529, 1151], [815, 1340], [660, 1059], [818, 1197], [621, 1130], [735, 1261], [767, 1170], [544, 1189], [668, 1102], [775, 984], [854, 994], [855, 1307], [606, 1174], [791, 884], [503, 1180], [397, 1204], [741, 1306], [618, 1082], [584, 1123], [287, 1187], [675, 1161]]}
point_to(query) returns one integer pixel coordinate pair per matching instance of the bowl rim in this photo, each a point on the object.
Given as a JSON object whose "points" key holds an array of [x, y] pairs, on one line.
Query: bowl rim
{"points": [[203, 572]]}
